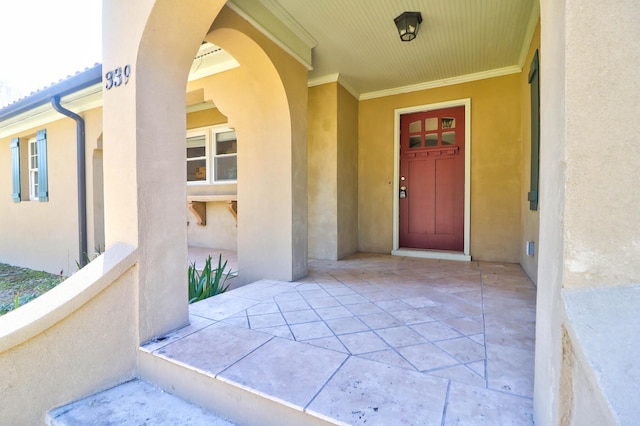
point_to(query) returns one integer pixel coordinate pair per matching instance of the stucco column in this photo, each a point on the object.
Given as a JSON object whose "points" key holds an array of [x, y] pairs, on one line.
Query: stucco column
{"points": [[148, 48], [589, 235], [333, 172], [552, 189]]}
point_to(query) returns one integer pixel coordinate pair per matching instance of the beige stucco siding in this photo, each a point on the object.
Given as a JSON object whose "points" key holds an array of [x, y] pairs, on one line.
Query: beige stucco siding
{"points": [[95, 182], [333, 172], [42, 235], [347, 168], [496, 161], [322, 169], [48, 362]]}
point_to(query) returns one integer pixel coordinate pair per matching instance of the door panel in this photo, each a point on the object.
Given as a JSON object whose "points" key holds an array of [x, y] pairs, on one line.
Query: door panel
{"points": [[432, 175]]}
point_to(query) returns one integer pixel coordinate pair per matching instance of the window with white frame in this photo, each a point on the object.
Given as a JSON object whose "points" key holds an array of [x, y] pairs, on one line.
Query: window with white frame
{"points": [[31, 157], [33, 169], [212, 156]]}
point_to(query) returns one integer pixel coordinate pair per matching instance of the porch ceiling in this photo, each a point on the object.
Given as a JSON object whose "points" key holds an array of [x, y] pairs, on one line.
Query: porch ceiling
{"points": [[357, 39]]}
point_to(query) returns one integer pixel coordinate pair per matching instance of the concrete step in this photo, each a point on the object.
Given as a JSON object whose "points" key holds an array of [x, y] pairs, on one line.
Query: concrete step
{"points": [[244, 405], [196, 364], [133, 403]]}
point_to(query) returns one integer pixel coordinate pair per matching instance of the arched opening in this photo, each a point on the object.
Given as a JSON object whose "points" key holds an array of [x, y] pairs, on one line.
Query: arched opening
{"points": [[144, 122], [254, 98]]}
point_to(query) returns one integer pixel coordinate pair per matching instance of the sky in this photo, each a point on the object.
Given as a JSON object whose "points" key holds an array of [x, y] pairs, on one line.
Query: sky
{"points": [[44, 41]]}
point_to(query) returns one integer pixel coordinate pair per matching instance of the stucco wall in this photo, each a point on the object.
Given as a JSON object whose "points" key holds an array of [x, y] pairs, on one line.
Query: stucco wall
{"points": [[496, 161], [44, 235], [220, 232], [333, 172], [602, 237], [347, 169], [589, 169], [322, 158], [95, 181], [530, 218], [70, 342]]}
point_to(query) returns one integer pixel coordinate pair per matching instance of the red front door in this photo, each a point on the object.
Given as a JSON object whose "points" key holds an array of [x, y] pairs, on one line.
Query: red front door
{"points": [[432, 179]]}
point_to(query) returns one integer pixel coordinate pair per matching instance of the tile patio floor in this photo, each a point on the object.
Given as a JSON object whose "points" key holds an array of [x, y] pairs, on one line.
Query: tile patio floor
{"points": [[376, 339]]}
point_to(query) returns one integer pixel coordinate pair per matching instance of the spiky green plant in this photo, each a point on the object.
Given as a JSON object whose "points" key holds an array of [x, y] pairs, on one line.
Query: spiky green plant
{"points": [[209, 282]]}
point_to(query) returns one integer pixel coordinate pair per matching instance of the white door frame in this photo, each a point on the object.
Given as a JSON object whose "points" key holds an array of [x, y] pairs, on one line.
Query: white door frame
{"points": [[433, 254]]}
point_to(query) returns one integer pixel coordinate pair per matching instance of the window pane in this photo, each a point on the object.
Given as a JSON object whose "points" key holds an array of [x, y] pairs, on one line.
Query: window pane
{"points": [[196, 146], [415, 141], [195, 152], [431, 124], [448, 138], [33, 155], [415, 126], [226, 168], [431, 140], [448, 123], [226, 143], [194, 141], [196, 170]]}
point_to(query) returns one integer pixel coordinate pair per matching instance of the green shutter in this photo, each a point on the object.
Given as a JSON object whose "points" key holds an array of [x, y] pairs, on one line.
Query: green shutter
{"points": [[534, 82], [43, 183], [15, 166]]}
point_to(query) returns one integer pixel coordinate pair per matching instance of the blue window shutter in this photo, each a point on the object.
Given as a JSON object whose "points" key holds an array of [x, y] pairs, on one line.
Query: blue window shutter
{"points": [[43, 183], [534, 82], [15, 166]]}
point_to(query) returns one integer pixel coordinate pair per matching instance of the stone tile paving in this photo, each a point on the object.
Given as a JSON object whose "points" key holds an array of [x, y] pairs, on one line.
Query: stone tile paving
{"points": [[377, 339]]}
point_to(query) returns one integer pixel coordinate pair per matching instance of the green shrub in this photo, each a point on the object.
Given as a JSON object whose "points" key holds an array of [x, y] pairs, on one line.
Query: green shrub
{"points": [[209, 282]]}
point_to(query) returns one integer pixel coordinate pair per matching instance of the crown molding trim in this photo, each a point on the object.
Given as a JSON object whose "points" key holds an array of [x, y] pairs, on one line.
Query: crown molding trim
{"points": [[499, 72], [333, 78]]}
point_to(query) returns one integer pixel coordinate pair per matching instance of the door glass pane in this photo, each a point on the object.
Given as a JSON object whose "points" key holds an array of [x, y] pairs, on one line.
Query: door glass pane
{"points": [[226, 168], [431, 124], [226, 143], [431, 140], [448, 123], [448, 138], [196, 170], [415, 141], [415, 126]]}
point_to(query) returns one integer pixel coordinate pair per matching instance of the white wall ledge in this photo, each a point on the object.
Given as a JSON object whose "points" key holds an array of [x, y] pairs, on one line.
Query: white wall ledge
{"points": [[604, 324], [26, 322]]}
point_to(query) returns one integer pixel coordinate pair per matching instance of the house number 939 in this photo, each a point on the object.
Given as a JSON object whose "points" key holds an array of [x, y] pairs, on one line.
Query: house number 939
{"points": [[117, 77]]}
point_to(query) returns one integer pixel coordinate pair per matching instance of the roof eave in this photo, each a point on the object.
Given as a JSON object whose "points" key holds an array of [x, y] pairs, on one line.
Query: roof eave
{"points": [[73, 84]]}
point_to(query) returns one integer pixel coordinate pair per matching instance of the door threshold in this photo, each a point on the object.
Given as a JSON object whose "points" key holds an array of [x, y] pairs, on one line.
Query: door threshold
{"points": [[432, 254]]}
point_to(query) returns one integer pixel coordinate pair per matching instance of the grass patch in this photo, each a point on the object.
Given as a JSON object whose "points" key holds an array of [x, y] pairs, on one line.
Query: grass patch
{"points": [[25, 284]]}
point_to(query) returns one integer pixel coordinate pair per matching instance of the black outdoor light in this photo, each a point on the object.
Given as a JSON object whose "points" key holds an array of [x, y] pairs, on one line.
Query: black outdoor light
{"points": [[408, 24]]}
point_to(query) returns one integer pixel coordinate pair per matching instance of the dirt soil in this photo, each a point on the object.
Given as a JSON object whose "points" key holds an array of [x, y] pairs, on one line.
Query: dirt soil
{"points": [[25, 283]]}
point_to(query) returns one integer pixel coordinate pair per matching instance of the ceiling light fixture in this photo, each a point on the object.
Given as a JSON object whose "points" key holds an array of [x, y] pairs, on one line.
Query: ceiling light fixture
{"points": [[408, 24]]}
